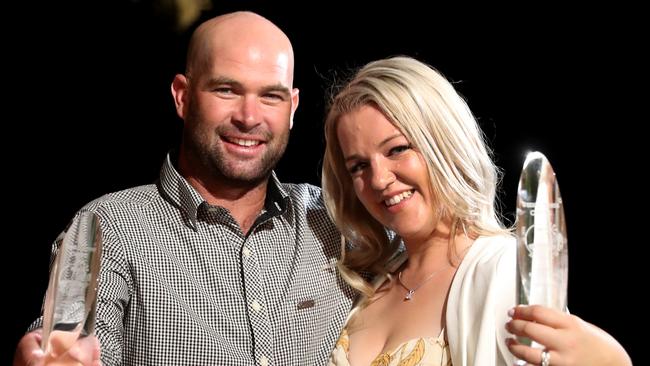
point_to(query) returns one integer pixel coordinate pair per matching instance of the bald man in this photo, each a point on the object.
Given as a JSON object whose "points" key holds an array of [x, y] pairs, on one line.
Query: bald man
{"points": [[219, 263]]}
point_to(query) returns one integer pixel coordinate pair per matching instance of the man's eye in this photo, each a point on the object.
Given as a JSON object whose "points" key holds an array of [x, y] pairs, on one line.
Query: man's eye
{"points": [[223, 90], [274, 97]]}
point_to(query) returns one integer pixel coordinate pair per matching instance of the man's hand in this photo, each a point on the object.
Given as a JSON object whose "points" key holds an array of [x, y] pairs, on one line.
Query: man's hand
{"points": [[64, 350]]}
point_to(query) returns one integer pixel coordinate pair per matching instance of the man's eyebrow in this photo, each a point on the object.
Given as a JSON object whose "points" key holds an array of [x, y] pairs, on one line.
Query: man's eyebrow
{"points": [[277, 88], [222, 80]]}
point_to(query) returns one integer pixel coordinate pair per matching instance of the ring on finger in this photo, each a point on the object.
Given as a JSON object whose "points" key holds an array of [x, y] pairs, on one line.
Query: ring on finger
{"points": [[546, 358]]}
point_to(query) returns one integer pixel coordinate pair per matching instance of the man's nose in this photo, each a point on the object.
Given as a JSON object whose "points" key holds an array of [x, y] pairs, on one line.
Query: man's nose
{"points": [[248, 114]]}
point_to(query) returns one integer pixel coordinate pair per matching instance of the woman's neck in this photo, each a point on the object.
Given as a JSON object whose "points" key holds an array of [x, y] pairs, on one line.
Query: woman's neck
{"points": [[437, 251]]}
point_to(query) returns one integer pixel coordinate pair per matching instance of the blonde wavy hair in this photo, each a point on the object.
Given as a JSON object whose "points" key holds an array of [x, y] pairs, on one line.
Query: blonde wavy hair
{"points": [[435, 119]]}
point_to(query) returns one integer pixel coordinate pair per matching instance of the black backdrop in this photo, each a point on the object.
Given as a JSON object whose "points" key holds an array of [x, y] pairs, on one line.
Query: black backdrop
{"points": [[88, 111]]}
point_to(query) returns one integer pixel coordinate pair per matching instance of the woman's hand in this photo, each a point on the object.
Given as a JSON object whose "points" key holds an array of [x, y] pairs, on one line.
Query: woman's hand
{"points": [[568, 339]]}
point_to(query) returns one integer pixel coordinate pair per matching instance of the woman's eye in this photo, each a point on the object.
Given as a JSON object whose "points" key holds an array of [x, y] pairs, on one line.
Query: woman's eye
{"points": [[399, 149], [356, 168]]}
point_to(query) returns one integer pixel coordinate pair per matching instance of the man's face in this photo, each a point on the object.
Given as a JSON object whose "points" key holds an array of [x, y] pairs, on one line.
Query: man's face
{"points": [[239, 112]]}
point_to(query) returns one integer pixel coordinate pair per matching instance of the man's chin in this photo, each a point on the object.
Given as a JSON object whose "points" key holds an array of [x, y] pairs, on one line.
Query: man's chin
{"points": [[245, 172], [248, 178]]}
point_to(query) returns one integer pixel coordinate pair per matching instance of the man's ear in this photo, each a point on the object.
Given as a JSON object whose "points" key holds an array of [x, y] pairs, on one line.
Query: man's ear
{"points": [[179, 88], [294, 105]]}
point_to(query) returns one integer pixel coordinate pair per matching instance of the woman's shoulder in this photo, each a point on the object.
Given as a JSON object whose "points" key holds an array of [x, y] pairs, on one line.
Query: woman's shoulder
{"points": [[490, 248], [489, 256]]}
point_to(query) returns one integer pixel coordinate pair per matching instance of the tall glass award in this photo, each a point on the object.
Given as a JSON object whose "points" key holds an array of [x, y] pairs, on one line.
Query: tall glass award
{"points": [[542, 252], [69, 310]]}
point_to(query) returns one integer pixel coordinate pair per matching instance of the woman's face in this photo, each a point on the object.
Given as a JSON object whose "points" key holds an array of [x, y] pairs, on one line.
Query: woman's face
{"points": [[390, 178]]}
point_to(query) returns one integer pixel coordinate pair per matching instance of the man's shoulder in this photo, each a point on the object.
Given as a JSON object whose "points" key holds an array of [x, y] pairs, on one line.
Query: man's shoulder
{"points": [[135, 196], [305, 194]]}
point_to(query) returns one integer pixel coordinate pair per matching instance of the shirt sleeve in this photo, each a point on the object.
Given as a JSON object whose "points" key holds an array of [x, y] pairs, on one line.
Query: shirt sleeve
{"points": [[114, 295]]}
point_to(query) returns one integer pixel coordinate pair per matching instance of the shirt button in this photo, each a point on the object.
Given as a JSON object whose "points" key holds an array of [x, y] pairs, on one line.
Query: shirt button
{"points": [[256, 305], [247, 252], [264, 361]]}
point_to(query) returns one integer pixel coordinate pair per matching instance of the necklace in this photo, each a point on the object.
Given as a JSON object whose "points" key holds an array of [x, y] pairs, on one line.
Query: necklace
{"points": [[411, 291]]}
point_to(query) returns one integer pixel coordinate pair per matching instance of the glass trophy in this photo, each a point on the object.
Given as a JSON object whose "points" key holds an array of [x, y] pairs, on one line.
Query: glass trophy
{"points": [[69, 310], [542, 252]]}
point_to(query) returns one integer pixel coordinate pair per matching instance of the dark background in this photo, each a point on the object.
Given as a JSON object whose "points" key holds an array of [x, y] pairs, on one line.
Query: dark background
{"points": [[88, 111]]}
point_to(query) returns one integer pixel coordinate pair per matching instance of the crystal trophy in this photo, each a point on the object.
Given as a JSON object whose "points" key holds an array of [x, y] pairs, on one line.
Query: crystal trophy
{"points": [[542, 252], [70, 301]]}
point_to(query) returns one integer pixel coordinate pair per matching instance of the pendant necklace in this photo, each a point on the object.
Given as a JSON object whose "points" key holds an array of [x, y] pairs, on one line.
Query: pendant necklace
{"points": [[411, 291]]}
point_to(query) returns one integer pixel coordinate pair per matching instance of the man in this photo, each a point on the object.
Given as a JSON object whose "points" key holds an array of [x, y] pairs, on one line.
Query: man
{"points": [[220, 263]]}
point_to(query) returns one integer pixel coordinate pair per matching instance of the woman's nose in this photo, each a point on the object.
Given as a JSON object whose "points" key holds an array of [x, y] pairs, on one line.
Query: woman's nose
{"points": [[382, 175]]}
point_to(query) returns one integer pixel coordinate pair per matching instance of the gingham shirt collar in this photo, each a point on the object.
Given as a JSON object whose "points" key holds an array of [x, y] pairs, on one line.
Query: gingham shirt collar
{"points": [[180, 193]]}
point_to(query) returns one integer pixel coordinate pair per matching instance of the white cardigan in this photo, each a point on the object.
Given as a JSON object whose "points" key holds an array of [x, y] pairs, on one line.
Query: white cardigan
{"points": [[482, 291]]}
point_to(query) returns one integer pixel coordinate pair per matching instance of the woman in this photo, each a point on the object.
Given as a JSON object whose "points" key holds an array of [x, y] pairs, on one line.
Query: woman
{"points": [[405, 153]]}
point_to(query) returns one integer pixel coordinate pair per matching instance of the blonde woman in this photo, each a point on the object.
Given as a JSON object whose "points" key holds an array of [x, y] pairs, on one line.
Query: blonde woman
{"points": [[405, 153]]}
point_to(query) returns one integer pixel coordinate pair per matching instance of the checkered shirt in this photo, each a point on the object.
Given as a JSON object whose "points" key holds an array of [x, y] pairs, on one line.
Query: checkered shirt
{"points": [[180, 283]]}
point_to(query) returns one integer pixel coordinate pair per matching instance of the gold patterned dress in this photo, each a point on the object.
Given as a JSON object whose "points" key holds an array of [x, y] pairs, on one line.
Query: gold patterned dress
{"points": [[428, 351]]}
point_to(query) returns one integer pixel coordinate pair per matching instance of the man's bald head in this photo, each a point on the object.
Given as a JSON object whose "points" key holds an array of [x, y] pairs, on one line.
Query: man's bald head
{"points": [[238, 30]]}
